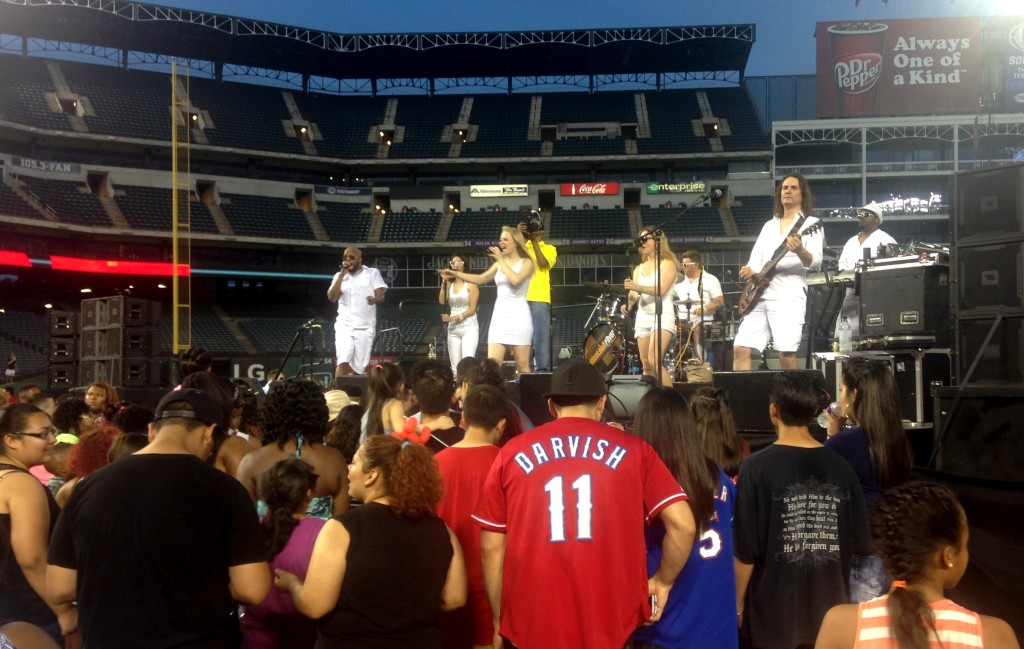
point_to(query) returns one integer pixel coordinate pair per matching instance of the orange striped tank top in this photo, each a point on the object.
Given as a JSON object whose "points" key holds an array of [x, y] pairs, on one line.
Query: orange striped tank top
{"points": [[955, 626]]}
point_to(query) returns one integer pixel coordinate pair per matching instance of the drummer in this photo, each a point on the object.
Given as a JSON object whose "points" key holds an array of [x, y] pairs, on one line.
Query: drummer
{"points": [[698, 296]]}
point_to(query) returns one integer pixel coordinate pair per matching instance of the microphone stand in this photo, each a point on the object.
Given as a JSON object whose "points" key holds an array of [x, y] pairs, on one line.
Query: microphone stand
{"points": [[657, 234], [700, 325], [300, 370]]}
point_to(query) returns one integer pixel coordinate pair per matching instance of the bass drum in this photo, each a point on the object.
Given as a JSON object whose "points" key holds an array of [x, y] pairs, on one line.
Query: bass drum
{"points": [[603, 348]]}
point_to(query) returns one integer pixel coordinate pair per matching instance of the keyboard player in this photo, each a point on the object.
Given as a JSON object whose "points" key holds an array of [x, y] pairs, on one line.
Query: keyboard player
{"points": [[870, 237]]}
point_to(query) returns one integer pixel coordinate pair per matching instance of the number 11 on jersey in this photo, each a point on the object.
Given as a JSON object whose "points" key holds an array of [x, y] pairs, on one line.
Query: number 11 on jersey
{"points": [[555, 488]]}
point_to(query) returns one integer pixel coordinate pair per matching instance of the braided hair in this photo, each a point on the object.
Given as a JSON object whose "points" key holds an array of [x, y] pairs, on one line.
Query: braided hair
{"points": [[909, 524]]}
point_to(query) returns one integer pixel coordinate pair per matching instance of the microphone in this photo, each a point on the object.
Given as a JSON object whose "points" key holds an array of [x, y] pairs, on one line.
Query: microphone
{"points": [[309, 324], [715, 193]]}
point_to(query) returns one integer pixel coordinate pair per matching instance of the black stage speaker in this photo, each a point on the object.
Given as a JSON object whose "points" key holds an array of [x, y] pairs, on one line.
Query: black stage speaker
{"points": [[748, 397], [63, 323], [63, 350], [62, 376], [906, 301], [984, 437], [624, 394], [989, 278], [532, 387], [357, 381], [1001, 360], [988, 204]]}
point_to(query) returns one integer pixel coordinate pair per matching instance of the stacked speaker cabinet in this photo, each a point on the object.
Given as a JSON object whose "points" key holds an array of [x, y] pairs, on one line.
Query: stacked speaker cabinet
{"points": [[64, 340], [119, 342], [977, 422], [988, 253]]}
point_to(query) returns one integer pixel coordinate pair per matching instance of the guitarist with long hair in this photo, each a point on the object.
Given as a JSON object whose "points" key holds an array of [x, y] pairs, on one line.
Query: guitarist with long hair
{"points": [[774, 300]]}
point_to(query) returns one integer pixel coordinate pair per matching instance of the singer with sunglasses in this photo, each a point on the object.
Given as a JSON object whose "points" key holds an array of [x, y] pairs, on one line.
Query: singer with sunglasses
{"points": [[462, 298], [358, 290], [646, 287], [28, 513]]}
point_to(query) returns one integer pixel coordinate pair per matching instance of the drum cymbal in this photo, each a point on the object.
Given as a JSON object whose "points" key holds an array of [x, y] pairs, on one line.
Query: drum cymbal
{"points": [[604, 287]]}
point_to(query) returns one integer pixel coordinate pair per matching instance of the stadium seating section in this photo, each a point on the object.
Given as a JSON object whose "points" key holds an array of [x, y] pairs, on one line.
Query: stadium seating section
{"points": [[751, 212], [70, 201], [149, 208]]}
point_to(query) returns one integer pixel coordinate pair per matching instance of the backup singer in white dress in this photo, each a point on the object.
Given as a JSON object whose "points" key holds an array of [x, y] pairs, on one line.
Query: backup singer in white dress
{"points": [[463, 326], [511, 324]]}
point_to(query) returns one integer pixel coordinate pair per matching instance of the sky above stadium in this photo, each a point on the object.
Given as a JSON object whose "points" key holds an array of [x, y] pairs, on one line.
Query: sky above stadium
{"points": [[785, 29]]}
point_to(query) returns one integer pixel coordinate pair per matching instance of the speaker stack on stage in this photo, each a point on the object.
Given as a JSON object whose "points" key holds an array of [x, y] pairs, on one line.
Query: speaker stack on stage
{"points": [[980, 423], [64, 340], [119, 342]]}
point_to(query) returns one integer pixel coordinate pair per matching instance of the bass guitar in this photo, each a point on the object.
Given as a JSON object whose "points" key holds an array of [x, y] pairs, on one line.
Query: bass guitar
{"points": [[757, 284]]}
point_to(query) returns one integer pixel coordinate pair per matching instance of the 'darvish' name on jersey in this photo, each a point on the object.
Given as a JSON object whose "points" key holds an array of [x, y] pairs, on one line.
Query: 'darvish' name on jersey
{"points": [[575, 447]]}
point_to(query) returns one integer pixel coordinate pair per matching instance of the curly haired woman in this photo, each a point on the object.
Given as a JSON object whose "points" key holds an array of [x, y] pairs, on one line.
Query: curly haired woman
{"points": [[294, 423], [387, 569]]}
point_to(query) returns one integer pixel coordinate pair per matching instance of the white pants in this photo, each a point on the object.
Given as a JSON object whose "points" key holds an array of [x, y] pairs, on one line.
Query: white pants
{"points": [[778, 320], [353, 346], [463, 339]]}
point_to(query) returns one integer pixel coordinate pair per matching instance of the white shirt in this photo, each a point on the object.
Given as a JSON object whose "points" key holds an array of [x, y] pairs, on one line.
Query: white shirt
{"points": [[687, 290], [789, 279], [853, 250], [353, 311]]}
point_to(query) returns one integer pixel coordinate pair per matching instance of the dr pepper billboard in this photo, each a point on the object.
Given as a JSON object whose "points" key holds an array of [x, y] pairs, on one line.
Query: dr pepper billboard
{"points": [[898, 67]]}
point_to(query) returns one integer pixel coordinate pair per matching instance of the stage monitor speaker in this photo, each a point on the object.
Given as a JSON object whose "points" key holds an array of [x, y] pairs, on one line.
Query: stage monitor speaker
{"points": [[748, 397], [1001, 361], [985, 435], [532, 388], [624, 394], [357, 382], [988, 204], [989, 278]]}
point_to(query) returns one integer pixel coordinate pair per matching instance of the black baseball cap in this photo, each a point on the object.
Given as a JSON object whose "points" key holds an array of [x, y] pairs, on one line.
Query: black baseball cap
{"points": [[204, 407], [576, 378]]}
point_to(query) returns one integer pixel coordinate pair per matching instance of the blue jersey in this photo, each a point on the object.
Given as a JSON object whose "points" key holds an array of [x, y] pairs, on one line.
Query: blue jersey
{"points": [[701, 609]]}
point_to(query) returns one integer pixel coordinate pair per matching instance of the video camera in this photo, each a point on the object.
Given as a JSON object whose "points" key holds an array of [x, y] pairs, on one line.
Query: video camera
{"points": [[532, 221]]}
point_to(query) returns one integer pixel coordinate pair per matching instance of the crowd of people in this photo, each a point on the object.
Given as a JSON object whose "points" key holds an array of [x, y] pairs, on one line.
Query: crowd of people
{"points": [[429, 512], [575, 533]]}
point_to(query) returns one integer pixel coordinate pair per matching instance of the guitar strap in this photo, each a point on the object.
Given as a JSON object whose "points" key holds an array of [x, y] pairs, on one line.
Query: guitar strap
{"points": [[781, 250]]}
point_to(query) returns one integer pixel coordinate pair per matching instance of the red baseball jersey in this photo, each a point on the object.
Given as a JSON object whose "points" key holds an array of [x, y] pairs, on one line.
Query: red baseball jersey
{"points": [[572, 497]]}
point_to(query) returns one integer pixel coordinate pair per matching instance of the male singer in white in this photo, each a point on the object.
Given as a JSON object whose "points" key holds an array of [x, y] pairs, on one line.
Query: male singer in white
{"points": [[698, 296], [870, 237], [358, 290]]}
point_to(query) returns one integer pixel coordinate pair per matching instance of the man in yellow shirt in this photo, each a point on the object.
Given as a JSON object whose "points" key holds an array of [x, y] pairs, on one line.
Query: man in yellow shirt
{"points": [[538, 295]]}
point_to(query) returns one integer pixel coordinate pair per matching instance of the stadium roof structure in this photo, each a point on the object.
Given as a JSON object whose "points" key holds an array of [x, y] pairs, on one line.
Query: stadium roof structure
{"points": [[130, 33]]}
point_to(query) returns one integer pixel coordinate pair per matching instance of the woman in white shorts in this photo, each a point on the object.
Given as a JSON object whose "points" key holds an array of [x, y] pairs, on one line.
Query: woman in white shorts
{"points": [[644, 292]]}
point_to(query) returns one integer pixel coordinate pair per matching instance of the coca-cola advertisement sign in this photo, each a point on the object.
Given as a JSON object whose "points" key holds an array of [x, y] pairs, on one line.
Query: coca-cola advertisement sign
{"points": [[898, 67], [589, 189]]}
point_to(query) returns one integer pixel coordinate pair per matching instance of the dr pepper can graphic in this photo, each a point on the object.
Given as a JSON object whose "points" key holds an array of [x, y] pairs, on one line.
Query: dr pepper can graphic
{"points": [[857, 65]]}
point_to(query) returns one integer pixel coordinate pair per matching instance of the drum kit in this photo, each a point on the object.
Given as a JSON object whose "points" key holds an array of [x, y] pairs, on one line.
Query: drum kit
{"points": [[610, 347]]}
